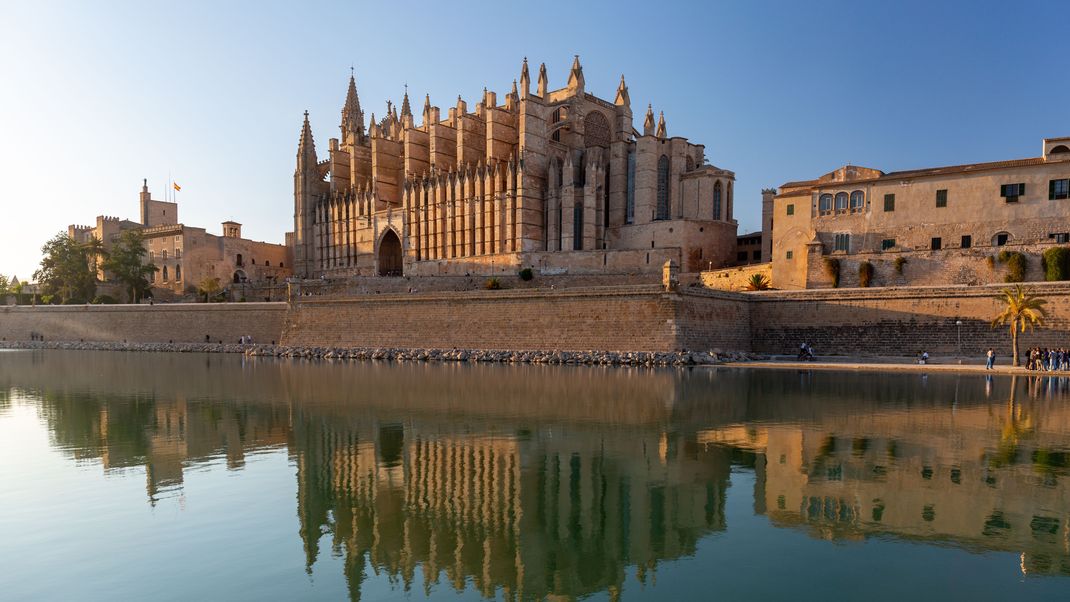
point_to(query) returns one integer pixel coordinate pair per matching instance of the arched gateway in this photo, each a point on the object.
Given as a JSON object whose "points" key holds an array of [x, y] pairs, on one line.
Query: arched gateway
{"points": [[390, 254]]}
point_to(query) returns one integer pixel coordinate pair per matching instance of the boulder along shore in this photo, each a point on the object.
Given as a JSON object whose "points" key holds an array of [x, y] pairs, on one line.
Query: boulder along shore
{"points": [[601, 358]]}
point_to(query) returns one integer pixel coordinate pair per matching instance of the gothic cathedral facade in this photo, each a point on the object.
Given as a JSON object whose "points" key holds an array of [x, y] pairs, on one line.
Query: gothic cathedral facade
{"points": [[554, 180]]}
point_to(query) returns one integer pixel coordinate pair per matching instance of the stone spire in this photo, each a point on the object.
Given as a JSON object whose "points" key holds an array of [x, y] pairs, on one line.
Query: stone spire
{"points": [[427, 109], [648, 123], [661, 125], [352, 116], [405, 109], [306, 148], [373, 127], [575, 77], [541, 90], [525, 80], [623, 100]]}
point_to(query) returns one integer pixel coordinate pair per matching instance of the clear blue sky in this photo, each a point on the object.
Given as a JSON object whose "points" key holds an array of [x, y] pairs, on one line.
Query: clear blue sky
{"points": [[95, 96]]}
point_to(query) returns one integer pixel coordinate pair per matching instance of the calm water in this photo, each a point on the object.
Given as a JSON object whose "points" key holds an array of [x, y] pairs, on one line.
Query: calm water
{"points": [[178, 477]]}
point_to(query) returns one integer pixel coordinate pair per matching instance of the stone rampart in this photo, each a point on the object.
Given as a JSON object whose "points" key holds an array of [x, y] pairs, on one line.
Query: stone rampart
{"points": [[735, 279], [161, 323], [899, 321], [598, 318]]}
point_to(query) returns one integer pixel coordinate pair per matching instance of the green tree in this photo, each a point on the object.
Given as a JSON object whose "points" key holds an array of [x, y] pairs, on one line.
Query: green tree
{"points": [[5, 287], [1021, 311], [758, 282], [66, 273], [210, 287], [126, 263]]}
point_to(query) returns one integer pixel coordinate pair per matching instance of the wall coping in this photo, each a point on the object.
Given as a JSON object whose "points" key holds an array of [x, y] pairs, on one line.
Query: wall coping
{"points": [[491, 295], [904, 292], [161, 307]]}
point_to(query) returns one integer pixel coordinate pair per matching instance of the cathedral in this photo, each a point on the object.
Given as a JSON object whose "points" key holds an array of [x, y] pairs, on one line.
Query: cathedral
{"points": [[556, 180]]}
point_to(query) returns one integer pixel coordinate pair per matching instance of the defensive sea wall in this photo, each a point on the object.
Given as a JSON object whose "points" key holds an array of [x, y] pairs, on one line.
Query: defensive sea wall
{"points": [[899, 321], [622, 318], [177, 322], [877, 321]]}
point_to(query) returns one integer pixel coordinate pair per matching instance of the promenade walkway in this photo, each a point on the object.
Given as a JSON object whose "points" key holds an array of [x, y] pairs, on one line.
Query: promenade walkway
{"points": [[893, 364]]}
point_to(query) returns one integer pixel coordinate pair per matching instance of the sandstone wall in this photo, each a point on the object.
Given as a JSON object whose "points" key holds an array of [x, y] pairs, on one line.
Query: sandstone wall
{"points": [[605, 319], [898, 321], [735, 279], [179, 322]]}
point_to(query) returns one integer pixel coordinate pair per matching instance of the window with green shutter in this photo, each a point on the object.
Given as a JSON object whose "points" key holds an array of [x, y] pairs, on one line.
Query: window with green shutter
{"points": [[791, 209], [889, 202], [1011, 192], [1058, 189], [941, 198], [887, 243]]}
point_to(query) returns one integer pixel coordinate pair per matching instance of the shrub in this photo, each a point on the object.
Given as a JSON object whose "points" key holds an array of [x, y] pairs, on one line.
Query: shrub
{"points": [[865, 274], [492, 284], [899, 263], [758, 282], [991, 261], [526, 274], [1016, 267], [1004, 256], [832, 269], [104, 300], [1056, 262]]}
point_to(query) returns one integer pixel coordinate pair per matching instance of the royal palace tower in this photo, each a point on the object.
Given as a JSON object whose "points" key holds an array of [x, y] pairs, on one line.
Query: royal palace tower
{"points": [[556, 180]]}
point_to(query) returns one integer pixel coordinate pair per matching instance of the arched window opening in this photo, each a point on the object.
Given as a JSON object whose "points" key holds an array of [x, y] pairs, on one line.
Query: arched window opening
{"points": [[605, 200], [1062, 148], [841, 202], [858, 201], [629, 209], [1000, 239], [717, 200], [663, 188], [165, 273], [390, 263], [178, 273], [239, 260], [267, 264], [690, 163], [824, 204], [728, 204]]}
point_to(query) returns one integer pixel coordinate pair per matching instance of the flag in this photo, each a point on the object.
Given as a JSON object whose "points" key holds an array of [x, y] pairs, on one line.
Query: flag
{"points": [[177, 187]]}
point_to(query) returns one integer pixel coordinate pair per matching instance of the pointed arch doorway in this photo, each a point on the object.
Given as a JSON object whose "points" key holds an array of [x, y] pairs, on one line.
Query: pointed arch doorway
{"points": [[390, 254]]}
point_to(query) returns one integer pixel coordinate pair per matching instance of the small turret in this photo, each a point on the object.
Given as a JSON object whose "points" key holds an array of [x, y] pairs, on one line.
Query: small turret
{"points": [[661, 125], [306, 147], [575, 77], [352, 117], [648, 123], [525, 80], [623, 100], [543, 82], [405, 109]]}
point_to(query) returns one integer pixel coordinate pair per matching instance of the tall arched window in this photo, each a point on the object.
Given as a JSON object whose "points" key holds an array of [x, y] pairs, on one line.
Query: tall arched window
{"points": [[717, 200], [728, 202], [629, 209], [663, 188], [165, 273], [841, 202], [858, 201], [824, 204]]}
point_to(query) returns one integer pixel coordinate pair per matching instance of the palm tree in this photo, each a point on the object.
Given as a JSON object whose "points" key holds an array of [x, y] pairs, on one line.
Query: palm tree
{"points": [[758, 282], [1021, 311]]}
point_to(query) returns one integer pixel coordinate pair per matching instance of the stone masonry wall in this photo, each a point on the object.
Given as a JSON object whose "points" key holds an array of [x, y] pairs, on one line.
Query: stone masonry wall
{"points": [[635, 318], [899, 321], [179, 322], [735, 279]]}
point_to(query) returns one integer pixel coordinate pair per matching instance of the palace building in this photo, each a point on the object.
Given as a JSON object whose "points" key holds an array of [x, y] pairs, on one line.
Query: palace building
{"points": [[554, 180], [929, 226], [186, 255]]}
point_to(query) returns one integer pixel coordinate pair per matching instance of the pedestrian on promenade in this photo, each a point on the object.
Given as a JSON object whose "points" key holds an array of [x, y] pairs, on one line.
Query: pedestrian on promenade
{"points": [[991, 359]]}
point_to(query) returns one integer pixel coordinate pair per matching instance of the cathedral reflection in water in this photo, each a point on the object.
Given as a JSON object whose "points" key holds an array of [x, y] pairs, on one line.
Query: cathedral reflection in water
{"points": [[555, 481]]}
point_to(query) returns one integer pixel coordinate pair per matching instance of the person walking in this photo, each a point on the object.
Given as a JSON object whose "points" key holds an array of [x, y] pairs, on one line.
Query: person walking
{"points": [[991, 359]]}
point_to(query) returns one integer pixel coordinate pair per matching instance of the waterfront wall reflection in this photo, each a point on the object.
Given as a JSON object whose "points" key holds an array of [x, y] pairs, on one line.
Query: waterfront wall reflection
{"points": [[558, 481]]}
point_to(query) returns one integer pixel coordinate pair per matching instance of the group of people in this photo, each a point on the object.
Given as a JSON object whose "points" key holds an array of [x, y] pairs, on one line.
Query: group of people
{"points": [[1048, 360], [806, 352]]}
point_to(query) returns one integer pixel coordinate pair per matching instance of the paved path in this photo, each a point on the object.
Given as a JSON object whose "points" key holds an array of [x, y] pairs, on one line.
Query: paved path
{"points": [[888, 364]]}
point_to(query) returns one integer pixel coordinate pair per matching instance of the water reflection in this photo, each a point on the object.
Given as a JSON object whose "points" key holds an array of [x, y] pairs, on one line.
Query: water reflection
{"points": [[554, 481]]}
